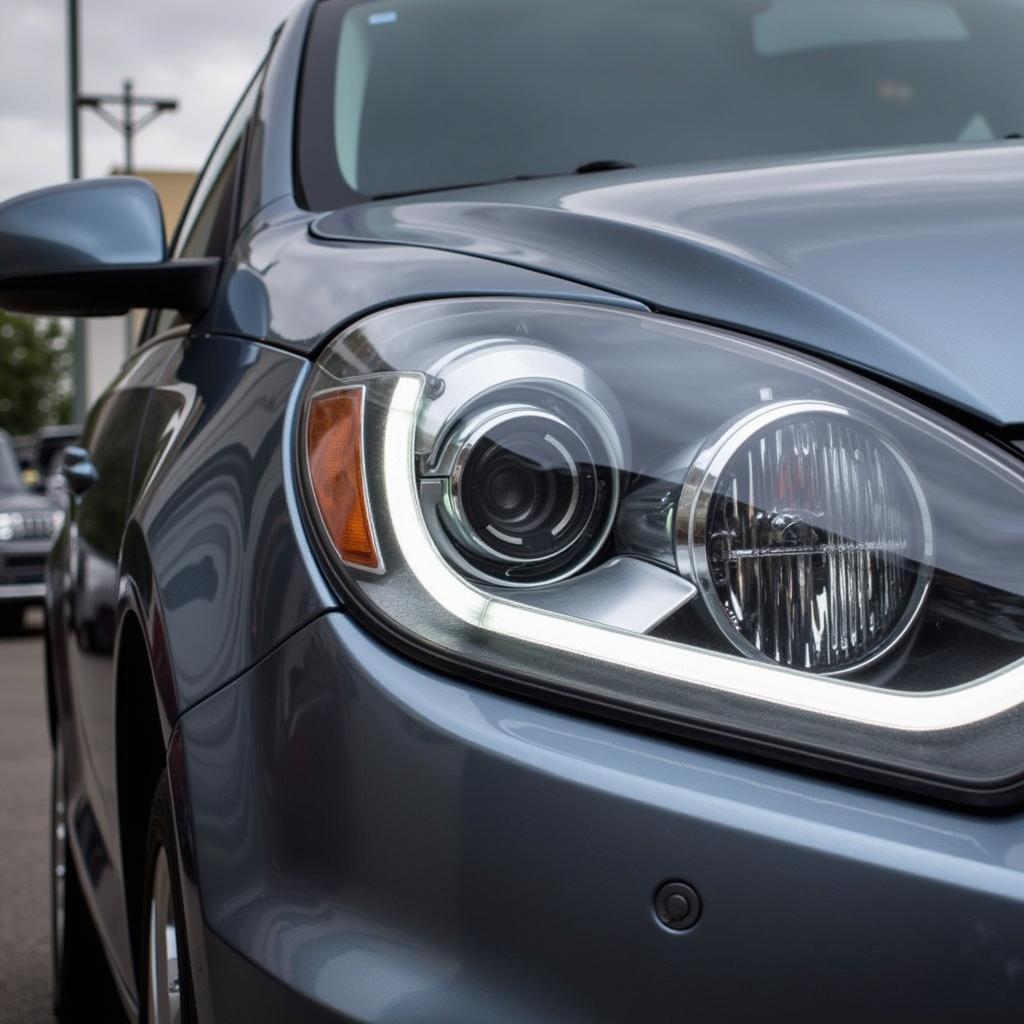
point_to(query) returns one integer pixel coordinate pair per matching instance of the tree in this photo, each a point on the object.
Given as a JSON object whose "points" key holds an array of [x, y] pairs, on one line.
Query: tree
{"points": [[35, 373]]}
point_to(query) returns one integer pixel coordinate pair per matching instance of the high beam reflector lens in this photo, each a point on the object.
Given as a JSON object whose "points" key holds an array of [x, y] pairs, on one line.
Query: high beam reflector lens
{"points": [[810, 538]]}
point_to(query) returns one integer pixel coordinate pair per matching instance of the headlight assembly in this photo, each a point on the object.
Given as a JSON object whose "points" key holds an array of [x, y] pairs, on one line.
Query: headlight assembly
{"points": [[682, 527], [12, 525], [36, 524]]}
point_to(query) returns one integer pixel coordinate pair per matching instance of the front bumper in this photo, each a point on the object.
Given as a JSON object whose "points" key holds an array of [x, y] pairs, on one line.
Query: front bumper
{"points": [[22, 593], [374, 842], [22, 571]]}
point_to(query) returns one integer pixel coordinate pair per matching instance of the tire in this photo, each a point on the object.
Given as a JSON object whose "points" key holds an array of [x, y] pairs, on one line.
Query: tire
{"points": [[83, 989], [165, 989], [12, 618]]}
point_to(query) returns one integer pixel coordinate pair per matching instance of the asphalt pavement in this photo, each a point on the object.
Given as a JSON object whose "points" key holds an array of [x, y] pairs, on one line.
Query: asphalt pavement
{"points": [[24, 824]]}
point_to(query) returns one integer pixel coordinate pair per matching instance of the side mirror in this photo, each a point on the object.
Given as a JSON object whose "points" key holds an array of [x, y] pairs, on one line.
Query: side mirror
{"points": [[78, 470], [95, 248]]}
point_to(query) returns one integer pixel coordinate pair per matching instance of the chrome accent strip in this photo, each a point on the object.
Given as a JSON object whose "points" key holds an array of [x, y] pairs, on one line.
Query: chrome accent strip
{"points": [[574, 472], [163, 988], [624, 593]]}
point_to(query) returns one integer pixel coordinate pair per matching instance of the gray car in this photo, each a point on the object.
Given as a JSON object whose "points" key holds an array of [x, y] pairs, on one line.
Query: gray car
{"points": [[557, 552], [28, 524]]}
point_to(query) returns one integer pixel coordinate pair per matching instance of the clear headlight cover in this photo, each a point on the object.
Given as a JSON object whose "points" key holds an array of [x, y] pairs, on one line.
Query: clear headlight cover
{"points": [[682, 527]]}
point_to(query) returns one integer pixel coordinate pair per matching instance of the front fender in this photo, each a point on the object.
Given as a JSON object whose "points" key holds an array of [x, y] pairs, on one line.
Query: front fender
{"points": [[216, 551], [137, 595]]}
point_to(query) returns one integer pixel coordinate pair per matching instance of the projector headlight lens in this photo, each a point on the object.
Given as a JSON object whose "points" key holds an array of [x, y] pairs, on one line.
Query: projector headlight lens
{"points": [[675, 525], [525, 498]]}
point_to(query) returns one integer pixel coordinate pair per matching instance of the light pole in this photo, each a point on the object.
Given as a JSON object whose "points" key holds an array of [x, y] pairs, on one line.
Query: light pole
{"points": [[119, 111], [78, 367], [129, 125]]}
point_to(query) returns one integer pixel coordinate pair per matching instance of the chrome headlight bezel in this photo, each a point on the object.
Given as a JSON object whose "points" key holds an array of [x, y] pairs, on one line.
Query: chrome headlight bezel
{"points": [[709, 695]]}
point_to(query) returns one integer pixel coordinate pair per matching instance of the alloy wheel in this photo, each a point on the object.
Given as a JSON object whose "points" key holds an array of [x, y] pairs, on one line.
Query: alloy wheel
{"points": [[58, 859], [164, 983]]}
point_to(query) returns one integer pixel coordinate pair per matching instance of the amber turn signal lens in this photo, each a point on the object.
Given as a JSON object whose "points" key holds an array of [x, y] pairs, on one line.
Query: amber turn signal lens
{"points": [[334, 440]]}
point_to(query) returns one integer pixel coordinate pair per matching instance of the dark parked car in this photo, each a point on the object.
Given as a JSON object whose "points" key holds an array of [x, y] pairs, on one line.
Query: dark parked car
{"points": [[28, 523], [557, 553]]}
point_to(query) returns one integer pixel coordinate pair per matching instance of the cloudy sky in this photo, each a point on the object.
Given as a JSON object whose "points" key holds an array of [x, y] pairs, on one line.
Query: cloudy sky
{"points": [[200, 51]]}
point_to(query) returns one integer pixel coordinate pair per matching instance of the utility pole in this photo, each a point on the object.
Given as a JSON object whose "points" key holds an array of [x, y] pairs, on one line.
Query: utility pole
{"points": [[126, 122], [129, 125], [78, 365]]}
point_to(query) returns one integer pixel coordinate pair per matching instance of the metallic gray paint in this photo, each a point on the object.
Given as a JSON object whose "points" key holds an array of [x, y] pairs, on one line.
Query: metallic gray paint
{"points": [[294, 291], [83, 224], [229, 567], [401, 847], [911, 265], [84, 613], [367, 839]]}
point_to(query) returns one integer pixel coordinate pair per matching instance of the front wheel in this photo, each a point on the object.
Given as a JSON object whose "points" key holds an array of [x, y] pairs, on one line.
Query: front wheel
{"points": [[12, 619], [83, 989], [168, 994]]}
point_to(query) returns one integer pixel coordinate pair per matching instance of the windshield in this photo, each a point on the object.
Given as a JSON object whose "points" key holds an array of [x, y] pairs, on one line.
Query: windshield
{"points": [[416, 95], [10, 476]]}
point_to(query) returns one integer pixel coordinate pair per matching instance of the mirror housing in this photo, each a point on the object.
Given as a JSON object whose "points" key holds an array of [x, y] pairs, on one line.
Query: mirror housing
{"points": [[95, 248]]}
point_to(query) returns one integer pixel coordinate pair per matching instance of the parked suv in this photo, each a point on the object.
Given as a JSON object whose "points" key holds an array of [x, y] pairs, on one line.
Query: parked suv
{"points": [[28, 524]]}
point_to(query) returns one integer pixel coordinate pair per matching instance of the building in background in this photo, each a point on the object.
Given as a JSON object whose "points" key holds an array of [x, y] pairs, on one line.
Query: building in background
{"points": [[109, 340]]}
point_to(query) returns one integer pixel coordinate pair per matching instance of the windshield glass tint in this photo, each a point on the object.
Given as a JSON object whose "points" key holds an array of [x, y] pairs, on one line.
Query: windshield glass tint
{"points": [[426, 94]]}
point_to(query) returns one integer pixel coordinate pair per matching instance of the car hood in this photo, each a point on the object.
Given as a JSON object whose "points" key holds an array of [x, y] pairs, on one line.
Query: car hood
{"points": [[24, 501], [909, 265]]}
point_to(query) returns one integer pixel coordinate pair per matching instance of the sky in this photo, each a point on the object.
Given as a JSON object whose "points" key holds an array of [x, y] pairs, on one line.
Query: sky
{"points": [[201, 52]]}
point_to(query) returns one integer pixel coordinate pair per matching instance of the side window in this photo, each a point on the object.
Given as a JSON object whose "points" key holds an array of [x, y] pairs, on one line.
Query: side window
{"points": [[206, 224]]}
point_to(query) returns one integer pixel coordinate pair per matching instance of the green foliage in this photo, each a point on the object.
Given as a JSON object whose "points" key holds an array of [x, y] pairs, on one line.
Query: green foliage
{"points": [[35, 373]]}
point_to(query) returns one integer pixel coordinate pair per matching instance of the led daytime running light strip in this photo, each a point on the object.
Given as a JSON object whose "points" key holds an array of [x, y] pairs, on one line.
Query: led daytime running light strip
{"points": [[907, 712]]}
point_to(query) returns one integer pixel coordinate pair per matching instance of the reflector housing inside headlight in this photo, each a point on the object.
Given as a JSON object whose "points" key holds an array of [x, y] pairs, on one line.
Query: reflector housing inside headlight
{"points": [[809, 534], [680, 526]]}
